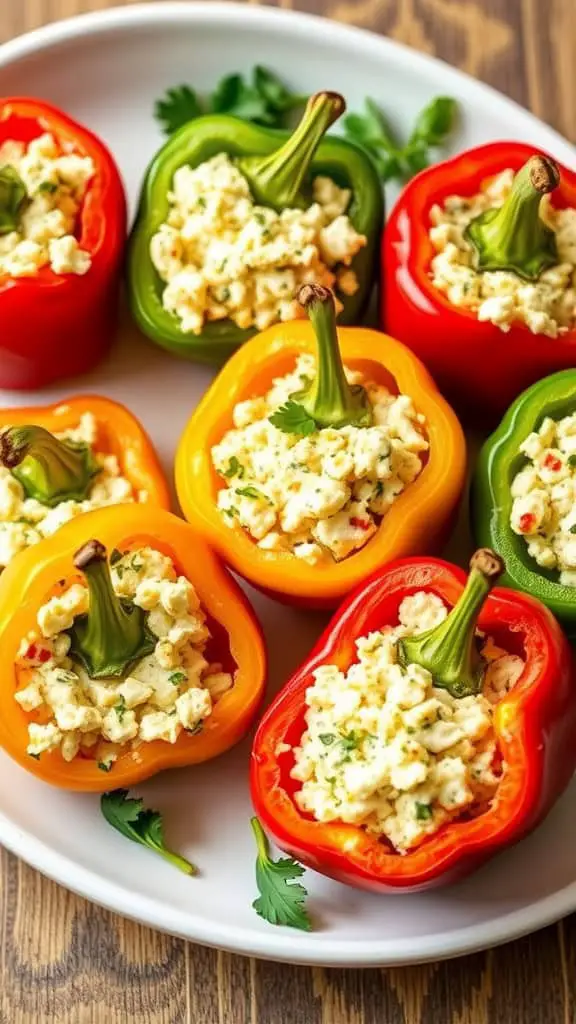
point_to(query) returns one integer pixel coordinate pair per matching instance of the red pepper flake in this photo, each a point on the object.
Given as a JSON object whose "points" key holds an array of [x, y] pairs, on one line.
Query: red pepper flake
{"points": [[360, 524], [43, 655], [32, 652], [527, 522], [552, 462]]}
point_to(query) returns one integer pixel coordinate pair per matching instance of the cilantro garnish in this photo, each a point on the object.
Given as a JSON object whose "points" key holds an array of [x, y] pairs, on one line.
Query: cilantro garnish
{"points": [[292, 418], [235, 468], [423, 812], [177, 677], [176, 108], [141, 825], [281, 899], [248, 492]]}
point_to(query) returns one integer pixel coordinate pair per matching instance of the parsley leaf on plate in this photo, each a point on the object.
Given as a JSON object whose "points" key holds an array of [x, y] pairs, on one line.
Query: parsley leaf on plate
{"points": [[178, 106], [281, 899], [292, 418], [141, 825]]}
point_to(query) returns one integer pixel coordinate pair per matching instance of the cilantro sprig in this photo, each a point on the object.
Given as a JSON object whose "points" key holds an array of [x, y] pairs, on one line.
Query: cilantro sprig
{"points": [[292, 418], [140, 824], [392, 159], [282, 898], [262, 98]]}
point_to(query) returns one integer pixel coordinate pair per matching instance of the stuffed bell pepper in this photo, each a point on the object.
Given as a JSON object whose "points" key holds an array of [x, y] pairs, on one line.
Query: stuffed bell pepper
{"points": [[317, 455], [524, 494], [126, 649], [59, 461], [431, 727], [62, 235], [480, 273], [234, 218]]}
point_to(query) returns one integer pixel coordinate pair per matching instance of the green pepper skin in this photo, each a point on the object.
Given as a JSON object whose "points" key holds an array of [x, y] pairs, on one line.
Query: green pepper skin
{"points": [[491, 500], [198, 141]]}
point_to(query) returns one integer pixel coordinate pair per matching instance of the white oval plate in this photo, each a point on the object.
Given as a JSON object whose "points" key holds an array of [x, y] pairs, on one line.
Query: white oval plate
{"points": [[106, 70]]}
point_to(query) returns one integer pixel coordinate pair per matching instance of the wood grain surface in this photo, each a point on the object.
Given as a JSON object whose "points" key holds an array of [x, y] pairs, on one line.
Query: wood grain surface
{"points": [[62, 959]]}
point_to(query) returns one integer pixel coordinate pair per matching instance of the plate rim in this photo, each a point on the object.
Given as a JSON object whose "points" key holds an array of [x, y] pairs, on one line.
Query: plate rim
{"points": [[278, 944]]}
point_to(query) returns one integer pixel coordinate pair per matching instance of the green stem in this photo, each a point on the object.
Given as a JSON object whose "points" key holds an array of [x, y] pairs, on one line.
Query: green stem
{"points": [[49, 470], [13, 196], [449, 650], [514, 237], [112, 635], [330, 400], [262, 844], [276, 180]]}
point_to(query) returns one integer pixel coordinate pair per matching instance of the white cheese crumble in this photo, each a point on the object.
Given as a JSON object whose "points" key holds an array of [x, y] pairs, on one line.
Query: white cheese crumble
{"points": [[56, 182], [25, 521], [321, 496], [171, 690], [222, 256], [546, 306], [386, 749], [544, 493]]}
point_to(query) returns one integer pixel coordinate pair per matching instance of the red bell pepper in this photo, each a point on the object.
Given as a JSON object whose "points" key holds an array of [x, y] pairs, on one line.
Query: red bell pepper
{"points": [[59, 325], [534, 725], [480, 368]]}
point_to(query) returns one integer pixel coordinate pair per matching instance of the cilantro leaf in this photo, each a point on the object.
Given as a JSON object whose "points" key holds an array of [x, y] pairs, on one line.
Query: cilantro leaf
{"points": [[423, 812], [13, 198], [435, 121], [233, 95], [178, 106], [235, 468], [141, 825], [281, 899], [249, 492], [292, 418], [277, 95]]}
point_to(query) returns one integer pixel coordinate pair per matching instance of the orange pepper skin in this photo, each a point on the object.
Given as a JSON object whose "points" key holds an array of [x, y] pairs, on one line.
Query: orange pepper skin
{"points": [[29, 581], [418, 521], [119, 434]]}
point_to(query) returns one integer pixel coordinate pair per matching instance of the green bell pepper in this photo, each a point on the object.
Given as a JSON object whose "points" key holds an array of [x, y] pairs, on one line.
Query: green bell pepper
{"points": [[279, 168], [499, 461]]}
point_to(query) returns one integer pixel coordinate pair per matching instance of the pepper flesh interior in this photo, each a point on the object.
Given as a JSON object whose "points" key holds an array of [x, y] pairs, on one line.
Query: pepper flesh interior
{"points": [[513, 236], [49, 470], [277, 180], [113, 634], [448, 651], [330, 400]]}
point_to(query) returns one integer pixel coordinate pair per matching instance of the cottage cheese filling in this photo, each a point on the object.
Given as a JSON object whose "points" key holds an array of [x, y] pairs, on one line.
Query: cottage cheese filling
{"points": [[385, 749], [171, 690], [319, 497], [56, 182], [546, 306], [25, 521], [221, 256], [544, 493]]}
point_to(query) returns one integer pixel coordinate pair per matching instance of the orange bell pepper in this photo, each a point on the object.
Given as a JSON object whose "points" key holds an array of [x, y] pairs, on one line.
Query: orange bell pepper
{"points": [[119, 434], [237, 643], [420, 518]]}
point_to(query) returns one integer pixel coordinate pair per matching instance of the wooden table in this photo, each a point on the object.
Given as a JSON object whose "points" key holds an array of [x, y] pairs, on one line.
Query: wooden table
{"points": [[62, 959]]}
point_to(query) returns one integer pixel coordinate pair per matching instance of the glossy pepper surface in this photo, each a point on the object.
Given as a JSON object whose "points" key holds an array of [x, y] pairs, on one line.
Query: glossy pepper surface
{"points": [[477, 365], [60, 325], [491, 501], [78, 551], [279, 168], [534, 725], [52, 471], [420, 517]]}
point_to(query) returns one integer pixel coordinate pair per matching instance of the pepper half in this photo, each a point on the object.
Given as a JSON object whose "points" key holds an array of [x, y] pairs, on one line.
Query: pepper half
{"points": [[236, 639], [61, 325], [278, 167], [51, 471], [478, 366], [534, 726], [420, 517], [491, 500]]}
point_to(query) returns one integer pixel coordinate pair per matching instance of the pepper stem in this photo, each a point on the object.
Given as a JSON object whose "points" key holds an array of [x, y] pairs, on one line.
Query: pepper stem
{"points": [[48, 469], [113, 634], [514, 237], [13, 196], [276, 180], [330, 400], [449, 650]]}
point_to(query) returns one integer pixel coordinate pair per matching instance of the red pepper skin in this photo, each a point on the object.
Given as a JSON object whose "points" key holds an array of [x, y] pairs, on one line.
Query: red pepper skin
{"points": [[535, 725], [478, 367], [60, 325]]}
